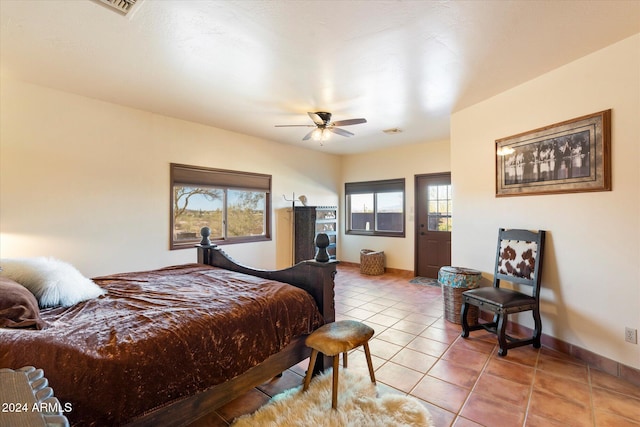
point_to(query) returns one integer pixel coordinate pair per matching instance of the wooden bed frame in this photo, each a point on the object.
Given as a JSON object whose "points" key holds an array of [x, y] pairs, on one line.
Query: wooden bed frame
{"points": [[315, 277]]}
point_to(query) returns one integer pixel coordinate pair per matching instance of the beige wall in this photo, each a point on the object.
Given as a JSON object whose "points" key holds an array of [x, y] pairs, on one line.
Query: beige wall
{"points": [[400, 162], [591, 275], [88, 181]]}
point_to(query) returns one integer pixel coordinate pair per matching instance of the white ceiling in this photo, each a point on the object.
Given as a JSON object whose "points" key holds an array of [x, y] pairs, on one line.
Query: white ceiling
{"points": [[249, 65]]}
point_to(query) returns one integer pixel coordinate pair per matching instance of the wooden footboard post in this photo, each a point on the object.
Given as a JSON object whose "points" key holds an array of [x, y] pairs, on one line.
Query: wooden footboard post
{"points": [[314, 276], [321, 287]]}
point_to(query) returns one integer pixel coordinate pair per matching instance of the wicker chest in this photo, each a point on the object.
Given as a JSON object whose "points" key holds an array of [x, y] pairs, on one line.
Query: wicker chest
{"points": [[27, 400]]}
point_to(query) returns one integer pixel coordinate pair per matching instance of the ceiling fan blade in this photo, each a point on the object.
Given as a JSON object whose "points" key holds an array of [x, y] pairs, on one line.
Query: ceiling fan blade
{"points": [[308, 136], [295, 126], [349, 122], [340, 131]]}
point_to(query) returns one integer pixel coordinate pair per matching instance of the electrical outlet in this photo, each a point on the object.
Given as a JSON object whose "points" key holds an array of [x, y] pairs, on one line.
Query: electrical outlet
{"points": [[631, 335]]}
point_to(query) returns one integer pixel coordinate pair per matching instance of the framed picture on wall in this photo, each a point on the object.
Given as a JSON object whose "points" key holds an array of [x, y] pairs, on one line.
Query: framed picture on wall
{"points": [[568, 157]]}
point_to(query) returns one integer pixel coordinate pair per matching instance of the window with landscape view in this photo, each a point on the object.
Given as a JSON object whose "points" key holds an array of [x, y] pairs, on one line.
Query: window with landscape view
{"points": [[375, 208], [234, 205]]}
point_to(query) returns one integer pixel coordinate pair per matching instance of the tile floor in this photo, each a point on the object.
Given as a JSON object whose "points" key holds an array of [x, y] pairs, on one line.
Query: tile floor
{"points": [[462, 382]]}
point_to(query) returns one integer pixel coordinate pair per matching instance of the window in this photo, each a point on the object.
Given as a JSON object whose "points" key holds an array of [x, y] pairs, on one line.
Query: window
{"points": [[235, 205], [375, 208], [439, 215]]}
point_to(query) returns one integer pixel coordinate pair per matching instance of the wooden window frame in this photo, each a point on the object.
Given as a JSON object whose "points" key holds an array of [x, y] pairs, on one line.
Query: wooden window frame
{"points": [[375, 187], [220, 178]]}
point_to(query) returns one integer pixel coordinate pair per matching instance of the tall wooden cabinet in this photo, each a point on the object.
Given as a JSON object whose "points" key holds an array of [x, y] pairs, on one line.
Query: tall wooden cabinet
{"points": [[308, 222]]}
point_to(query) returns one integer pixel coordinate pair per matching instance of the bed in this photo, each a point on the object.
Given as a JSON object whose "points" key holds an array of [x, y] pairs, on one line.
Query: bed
{"points": [[167, 346]]}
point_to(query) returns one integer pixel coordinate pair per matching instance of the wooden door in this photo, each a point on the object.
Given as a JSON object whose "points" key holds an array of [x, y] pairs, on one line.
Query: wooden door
{"points": [[433, 223]]}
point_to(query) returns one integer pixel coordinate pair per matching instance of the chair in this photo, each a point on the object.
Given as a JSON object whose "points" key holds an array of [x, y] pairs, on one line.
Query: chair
{"points": [[519, 261]]}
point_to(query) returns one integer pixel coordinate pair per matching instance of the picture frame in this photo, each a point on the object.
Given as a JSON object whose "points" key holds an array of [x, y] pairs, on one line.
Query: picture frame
{"points": [[567, 157]]}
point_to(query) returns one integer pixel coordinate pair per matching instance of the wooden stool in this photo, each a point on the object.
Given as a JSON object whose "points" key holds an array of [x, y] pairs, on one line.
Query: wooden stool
{"points": [[333, 339]]}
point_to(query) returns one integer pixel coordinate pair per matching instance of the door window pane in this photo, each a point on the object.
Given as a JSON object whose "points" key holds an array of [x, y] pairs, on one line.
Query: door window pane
{"points": [[439, 208], [433, 192]]}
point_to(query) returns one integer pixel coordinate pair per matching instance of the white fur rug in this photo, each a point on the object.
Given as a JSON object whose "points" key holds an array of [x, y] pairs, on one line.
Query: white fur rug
{"points": [[358, 406]]}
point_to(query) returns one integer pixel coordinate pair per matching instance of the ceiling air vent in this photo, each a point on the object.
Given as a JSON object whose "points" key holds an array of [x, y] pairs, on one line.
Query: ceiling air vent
{"points": [[122, 6], [392, 131]]}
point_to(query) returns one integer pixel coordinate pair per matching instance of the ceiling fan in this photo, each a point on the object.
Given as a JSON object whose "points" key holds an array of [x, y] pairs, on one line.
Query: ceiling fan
{"points": [[323, 125]]}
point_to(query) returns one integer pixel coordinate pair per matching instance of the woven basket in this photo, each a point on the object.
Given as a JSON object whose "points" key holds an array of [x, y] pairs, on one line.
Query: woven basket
{"points": [[371, 262], [453, 305], [454, 281]]}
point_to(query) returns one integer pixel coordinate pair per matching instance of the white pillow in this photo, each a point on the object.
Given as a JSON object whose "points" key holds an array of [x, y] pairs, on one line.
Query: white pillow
{"points": [[53, 282]]}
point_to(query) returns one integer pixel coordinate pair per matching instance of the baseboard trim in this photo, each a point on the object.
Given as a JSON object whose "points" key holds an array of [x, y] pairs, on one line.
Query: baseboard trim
{"points": [[402, 273], [592, 359]]}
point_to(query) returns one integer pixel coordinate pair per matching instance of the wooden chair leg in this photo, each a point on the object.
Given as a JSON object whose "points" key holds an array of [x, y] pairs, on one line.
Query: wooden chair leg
{"points": [[501, 331], [344, 359], [369, 364], [463, 320], [312, 363], [537, 332], [334, 392], [496, 318]]}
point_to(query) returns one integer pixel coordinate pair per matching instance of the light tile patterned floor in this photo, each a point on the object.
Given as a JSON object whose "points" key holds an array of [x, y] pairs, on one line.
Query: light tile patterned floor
{"points": [[462, 382]]}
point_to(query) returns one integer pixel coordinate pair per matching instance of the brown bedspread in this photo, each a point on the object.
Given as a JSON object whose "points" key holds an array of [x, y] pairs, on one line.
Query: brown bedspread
{"points": [[158, 336]]}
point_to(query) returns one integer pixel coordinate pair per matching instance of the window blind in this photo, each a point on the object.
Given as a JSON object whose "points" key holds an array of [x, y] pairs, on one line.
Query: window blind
{"points": [[196, 175], [386, 186]]}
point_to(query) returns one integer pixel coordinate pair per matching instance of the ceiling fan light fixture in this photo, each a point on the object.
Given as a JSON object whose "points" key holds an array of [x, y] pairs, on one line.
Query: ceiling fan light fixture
{"points": [[320, 134]]}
